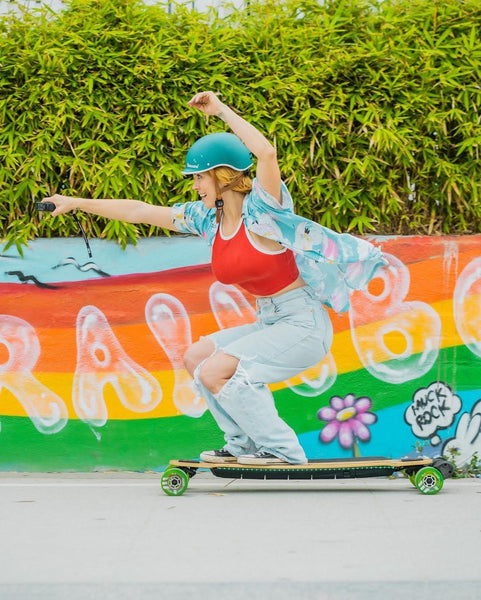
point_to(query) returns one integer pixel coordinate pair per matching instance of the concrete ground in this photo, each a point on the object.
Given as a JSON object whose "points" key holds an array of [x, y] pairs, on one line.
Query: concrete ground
{"points": [[115, 536]]}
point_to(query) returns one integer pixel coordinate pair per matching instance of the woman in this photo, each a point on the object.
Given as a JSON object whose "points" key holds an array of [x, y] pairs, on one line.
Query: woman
{"points": [[288, 263]]}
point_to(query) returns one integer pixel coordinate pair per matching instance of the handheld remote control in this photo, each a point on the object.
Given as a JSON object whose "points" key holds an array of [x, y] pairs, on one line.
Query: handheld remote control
{"points": [[46, 206]]}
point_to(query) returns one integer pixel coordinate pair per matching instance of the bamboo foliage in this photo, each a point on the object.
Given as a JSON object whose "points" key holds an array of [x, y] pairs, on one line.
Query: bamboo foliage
{"points": [[374, 108]]}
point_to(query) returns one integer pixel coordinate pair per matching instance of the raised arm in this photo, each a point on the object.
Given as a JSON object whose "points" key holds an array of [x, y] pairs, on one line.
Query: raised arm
{"points": [[132, 211], [268, 173]]}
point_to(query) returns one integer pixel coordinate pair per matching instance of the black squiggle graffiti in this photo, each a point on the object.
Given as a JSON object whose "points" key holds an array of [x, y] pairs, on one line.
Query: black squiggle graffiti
{"points": [[26, 278], [90, 266]]}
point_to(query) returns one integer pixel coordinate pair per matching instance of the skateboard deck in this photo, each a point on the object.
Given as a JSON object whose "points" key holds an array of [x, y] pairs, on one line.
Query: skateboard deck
{"points": [[426, 474]]}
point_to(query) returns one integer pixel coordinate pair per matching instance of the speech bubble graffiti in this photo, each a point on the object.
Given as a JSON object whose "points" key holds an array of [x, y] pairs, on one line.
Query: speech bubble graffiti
{"points": [[432, 408]]}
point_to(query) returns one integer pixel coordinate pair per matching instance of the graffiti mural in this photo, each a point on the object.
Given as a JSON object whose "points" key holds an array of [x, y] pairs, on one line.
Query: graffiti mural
{"points": [[91, 372]]}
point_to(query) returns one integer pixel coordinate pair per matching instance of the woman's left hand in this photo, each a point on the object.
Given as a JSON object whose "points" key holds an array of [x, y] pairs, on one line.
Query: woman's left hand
{"points": [[207, 102]]}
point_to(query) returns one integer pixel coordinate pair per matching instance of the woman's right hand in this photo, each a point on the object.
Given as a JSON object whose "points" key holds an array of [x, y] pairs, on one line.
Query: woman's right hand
{"points": [[63, 204]]}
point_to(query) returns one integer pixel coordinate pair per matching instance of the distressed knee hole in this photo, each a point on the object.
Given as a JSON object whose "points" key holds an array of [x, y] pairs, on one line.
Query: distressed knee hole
{"points": [[216, 370], [196, 354]]}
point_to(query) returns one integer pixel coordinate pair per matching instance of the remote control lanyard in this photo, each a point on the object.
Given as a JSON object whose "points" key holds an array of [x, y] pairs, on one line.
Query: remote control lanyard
{"points": [[84, 235]]}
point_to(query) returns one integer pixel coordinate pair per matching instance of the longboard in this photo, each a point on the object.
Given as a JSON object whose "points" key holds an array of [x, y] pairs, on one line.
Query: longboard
{"points": [[426, 474]]}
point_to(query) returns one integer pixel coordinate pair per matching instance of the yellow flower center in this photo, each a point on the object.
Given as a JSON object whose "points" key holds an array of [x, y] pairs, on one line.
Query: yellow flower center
{"points": [[346, 413]]}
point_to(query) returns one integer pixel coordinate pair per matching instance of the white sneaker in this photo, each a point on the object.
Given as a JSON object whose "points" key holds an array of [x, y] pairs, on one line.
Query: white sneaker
{"points": [[261, 458], [218, 456]]}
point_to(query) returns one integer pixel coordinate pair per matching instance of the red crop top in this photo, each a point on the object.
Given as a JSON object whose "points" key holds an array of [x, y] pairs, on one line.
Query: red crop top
{"points": [[237, 260]]}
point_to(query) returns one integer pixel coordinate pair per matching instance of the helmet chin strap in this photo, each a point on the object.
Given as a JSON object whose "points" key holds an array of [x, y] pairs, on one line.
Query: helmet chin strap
{"points": [[219, 202]]}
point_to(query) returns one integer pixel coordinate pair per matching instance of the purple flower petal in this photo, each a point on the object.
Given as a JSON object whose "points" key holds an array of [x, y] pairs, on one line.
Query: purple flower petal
{"points": [[363, 404], [329, 432], [346, 439], [326, 414], [367, 418], [337, 403], [361, 431], [349, 400]]}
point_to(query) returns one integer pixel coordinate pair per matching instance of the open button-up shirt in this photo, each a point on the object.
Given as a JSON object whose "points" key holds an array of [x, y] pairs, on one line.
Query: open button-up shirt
{"points": [[332, 263]]}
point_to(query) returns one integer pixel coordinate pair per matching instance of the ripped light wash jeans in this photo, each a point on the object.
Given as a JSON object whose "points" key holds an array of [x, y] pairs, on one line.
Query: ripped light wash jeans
{"points": [[293, 332]]}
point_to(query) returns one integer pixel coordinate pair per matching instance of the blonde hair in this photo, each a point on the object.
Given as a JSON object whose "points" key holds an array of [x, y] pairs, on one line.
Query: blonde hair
{"points": [[226, 175]]}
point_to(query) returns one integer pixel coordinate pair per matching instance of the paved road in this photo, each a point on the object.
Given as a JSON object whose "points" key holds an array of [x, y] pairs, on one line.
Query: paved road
{"points": [[116, 536]]}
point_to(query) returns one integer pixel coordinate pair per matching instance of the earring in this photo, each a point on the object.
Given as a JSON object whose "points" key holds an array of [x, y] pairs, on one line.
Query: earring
{"points": [[219, 203]]}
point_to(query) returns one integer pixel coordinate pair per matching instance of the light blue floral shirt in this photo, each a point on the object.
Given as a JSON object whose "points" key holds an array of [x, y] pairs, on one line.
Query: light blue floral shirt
{"points": [[332, 263]]}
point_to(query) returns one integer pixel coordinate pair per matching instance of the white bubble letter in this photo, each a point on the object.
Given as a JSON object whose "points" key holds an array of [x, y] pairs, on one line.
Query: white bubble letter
{"points": [[102, 360], [403, 343], [46, 410]]}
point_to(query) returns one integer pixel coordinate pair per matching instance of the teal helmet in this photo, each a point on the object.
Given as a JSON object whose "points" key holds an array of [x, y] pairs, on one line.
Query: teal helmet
{"points": [[217, 150]]}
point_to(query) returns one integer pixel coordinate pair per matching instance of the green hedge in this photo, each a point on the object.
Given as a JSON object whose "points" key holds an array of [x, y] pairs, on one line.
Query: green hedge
{"points": [[374, 108]]}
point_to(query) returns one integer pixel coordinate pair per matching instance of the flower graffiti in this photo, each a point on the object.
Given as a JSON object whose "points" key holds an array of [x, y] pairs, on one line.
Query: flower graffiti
{"points": [[347, 419]]}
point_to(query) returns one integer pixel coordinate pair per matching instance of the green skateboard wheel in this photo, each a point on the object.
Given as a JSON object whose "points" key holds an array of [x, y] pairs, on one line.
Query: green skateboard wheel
{"points": [[174, 481], [429, 480]]}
